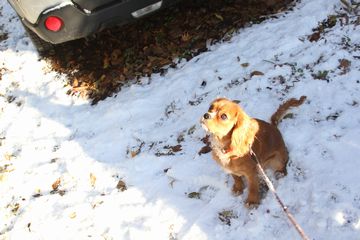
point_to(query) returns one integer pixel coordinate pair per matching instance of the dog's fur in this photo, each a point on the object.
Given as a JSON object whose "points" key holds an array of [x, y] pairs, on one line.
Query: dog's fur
{"points": [[233, 133]]}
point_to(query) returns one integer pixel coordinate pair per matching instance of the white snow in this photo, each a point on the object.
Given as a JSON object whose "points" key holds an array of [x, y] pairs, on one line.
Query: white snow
{"points": [[46, 135]]}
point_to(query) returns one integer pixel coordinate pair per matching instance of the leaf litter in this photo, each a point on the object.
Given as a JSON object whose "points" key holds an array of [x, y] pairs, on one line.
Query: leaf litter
{"points": [[98, 66]]}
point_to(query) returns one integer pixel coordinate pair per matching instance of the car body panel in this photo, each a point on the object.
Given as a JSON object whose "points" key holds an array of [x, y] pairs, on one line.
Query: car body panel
{"points": [[78, 21], [31, 10], [94, 4]]}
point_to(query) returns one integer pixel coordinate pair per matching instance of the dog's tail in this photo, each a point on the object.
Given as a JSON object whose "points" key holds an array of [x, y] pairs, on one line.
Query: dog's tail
{"points": [[292, 102]]}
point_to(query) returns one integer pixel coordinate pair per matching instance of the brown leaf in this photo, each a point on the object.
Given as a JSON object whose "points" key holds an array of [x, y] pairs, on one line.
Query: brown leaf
{"points": [[204, 150], [158, 50], [344, 65], [206, 139], [256, 73], [61, 192], [158, 61], [134, 153], [170, 150], [185, 37], [56, 184], [245, 65], [116, 57], [15, 208], [121, 186], [75, 83], [314, 37], [176, 148], [175, 33]]}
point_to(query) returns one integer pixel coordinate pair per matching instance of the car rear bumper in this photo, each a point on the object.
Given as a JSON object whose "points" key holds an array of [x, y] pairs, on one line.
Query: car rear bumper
{"points": [[79, 23]]}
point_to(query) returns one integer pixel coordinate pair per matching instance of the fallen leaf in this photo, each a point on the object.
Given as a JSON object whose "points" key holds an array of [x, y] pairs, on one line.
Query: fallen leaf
{"points": [[206, 139], [134, 153], [116, 57], [75, 82], [15, 208], [256, 73], [180, 138], [126, 49], [97, 204], [36, 195], [176, 148], [8, 156], [121, 186], [314, 37], [218, 16], [194, 195], [191, 130], [56, 184], [92, 179], [344, 65], [225, 216], [204, 150], [185, 37], [245, 65], [321, 75], [72, 215]]}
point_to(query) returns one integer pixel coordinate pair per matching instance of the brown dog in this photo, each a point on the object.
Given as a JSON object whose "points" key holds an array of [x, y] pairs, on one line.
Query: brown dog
{"points": [[233, 133]]}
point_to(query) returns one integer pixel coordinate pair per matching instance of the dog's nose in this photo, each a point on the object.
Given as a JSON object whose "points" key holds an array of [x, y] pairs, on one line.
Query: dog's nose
{"points": [[207, 116]]}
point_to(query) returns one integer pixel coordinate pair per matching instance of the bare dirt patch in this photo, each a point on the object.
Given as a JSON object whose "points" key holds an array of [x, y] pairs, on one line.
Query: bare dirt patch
{"points": [[98, 66]]}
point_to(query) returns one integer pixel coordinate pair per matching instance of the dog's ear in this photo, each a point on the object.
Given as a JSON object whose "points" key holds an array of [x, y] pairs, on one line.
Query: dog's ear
{"points": [[238, 128], [238, 137]]}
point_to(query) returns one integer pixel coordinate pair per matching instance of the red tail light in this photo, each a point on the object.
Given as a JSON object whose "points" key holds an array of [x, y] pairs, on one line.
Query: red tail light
{"points": [[53, 23]]}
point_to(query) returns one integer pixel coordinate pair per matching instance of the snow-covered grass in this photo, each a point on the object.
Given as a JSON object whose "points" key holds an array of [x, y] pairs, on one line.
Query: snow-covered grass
{"points": [[62, 161]]}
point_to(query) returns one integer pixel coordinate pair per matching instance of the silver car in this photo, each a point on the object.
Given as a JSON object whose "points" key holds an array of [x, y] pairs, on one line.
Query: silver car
{"points": [[49, 22]]}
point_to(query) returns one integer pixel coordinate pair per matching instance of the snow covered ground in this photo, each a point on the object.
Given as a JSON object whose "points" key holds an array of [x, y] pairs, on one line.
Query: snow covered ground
{"points": [[129, 168]]}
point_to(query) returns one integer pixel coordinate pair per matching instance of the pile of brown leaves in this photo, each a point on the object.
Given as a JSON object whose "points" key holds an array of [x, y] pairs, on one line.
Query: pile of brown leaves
{"points": [[98, 66]]}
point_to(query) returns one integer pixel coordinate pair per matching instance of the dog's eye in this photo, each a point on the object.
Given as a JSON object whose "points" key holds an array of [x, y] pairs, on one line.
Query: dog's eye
{"points": [[211, 108], [224, 116]]}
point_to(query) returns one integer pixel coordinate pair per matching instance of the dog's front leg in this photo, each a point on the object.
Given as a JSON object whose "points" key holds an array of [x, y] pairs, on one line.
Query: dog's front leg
{"points": [[253, 181], [238, 186]]}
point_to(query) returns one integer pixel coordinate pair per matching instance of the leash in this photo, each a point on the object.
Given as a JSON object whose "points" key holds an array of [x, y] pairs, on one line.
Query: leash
{"points": [[272, 189]]}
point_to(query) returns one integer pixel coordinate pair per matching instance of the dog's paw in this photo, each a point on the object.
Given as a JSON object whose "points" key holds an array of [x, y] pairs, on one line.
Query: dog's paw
{"points": [[236, 191], [280, 174], [251, 205], [252, 202]]}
